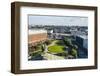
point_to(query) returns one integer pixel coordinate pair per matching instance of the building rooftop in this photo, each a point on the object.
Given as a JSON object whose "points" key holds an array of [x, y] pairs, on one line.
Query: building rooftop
{"points": [[83, 36], [36, 31]]}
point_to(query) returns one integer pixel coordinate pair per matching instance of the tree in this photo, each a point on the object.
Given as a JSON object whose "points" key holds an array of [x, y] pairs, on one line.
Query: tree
{"points": [[64, 54], [75, 47], [47, 42], [42, 48], [68, 41], [74, 52]]}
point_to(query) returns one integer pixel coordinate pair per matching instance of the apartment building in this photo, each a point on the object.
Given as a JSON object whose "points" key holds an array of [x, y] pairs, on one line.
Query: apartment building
{"points": [[36, 36], [82, 40]]}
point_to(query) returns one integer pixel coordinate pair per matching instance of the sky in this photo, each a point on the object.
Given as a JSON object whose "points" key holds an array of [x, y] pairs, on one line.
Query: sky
{"points": [[57, 20]]}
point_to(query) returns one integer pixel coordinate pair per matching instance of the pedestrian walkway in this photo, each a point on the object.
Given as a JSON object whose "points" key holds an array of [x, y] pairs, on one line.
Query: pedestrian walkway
{"points": [[53, 43], [49, 56]]}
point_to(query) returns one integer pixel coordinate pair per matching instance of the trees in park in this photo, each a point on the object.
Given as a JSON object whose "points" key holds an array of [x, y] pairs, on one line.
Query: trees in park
{"points": [[73, 47], [68, 42], [74, 53], [48, 42]]}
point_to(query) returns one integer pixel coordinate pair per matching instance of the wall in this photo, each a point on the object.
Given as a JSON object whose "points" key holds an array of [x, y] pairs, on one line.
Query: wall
{"points": [[85, 44], [5, 35], [37, 37]]}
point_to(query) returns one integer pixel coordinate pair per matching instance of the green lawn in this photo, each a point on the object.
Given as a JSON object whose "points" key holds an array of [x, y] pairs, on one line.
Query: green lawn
{"points": [[56, 49]]}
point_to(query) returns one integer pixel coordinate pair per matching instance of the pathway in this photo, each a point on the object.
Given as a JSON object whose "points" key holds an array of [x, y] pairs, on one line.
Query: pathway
{"points": [[46, 47], [53, 43], [48, 56]]}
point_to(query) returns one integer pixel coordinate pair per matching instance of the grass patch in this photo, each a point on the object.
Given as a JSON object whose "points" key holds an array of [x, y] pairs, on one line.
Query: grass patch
{"points": [[56, 49]]}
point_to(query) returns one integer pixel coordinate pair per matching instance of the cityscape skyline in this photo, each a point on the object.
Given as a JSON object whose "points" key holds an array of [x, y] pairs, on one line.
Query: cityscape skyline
{"points": [[57, 20]]}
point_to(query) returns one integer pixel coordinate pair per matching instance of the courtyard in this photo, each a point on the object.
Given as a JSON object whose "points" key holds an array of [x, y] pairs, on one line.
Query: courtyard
{"points": [[54, 49]]}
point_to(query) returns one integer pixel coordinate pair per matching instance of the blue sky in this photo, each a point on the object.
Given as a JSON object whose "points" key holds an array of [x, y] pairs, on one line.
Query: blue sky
{"points": [[58, 20]]}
